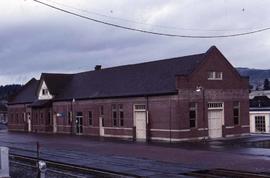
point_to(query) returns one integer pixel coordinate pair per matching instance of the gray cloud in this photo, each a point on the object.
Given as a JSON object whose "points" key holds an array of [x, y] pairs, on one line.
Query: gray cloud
{"points": [[36, 39]]}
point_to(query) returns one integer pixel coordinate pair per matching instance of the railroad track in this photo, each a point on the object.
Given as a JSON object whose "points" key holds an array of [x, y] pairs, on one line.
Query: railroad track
{"points": [[225, 173], [31, 161], [28, 156]]}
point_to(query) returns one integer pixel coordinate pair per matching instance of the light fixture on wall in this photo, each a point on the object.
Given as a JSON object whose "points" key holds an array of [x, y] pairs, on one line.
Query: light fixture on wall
{"points": [[202, 90]]}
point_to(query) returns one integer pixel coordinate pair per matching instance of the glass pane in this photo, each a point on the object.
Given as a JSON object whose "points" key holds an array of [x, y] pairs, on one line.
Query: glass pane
{"points": [[219, 75], [192, 114], [192, 123], [210, 75], [236, 112], [90, 121], [122, 122], [236, 120], [79, 114], [90, 114], [121, 114], [114, 122], [114, 114]]}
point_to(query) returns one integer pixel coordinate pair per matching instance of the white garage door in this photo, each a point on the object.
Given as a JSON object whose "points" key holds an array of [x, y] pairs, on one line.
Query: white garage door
{"points": [[140, 123], [215, 123]]}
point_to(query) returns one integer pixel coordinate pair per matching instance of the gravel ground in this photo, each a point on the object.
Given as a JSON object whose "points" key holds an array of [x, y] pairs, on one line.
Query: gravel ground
{"points": [[21, 170]]}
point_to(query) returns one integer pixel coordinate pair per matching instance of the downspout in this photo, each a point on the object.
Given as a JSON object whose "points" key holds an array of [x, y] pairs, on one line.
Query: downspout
{"points": [[147, 120], [72, 117], [204, 122], [170, 121]]}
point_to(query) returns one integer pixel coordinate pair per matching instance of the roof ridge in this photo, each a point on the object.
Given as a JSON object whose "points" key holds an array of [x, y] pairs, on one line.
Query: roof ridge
{"points": [[142, 63], [45, 73]]}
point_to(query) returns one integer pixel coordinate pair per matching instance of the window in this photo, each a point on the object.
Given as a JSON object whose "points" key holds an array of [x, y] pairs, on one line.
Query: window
{"points": [[211, 75], [17, 118], [37, 121], [192, 115], [102, 122], [215, 105], [45, 91], [101, 110], [219, 75], [23, 116], [236, 113], [79, 114], [114, 115], [260, 123], [121, 115], [69, 117], [49, 117], [215, 75], [140, 107], [90, 118]]}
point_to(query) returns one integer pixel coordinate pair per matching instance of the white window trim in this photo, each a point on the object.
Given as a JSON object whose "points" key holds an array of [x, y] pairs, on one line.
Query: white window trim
{"points": [[215, 75]]}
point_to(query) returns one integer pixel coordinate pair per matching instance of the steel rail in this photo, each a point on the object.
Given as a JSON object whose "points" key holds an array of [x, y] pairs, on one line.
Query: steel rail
{"points": [[227, 173], [72, 167]]}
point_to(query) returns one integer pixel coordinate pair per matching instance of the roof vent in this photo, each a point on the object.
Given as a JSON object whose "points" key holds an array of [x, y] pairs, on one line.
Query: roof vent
{"points": [[98, 67]]}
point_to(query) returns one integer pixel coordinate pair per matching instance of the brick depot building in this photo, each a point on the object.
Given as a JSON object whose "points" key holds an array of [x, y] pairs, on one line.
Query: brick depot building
{"points": [[191, 97]]}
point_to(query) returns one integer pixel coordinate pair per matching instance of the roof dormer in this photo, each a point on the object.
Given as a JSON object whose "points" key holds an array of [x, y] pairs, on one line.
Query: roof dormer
{"points": [[44, 93]]}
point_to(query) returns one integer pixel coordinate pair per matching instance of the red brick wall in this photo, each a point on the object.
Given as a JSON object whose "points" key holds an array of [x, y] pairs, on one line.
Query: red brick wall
{"points": [[16, 120]]}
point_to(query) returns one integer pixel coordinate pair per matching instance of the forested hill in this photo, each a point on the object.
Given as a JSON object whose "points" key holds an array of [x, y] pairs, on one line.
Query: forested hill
{"points": [[256, 76], [8, 90]]}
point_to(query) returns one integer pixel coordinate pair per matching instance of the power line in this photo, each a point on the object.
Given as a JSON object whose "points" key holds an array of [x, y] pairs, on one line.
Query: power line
{"points": [[152, 32], [142, 23]]}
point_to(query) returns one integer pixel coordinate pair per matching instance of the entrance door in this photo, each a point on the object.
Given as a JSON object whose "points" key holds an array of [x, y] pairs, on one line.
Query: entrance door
{"points": [[79, 123], [101, 126], [140, 123], [215, 123]]}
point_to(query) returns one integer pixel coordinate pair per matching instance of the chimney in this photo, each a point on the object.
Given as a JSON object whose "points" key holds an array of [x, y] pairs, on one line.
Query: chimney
{"points": [[98, 67]]}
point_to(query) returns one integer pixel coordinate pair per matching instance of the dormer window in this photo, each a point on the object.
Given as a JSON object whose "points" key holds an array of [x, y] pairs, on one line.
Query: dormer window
{"points": [[45, 91], [213, 75]]}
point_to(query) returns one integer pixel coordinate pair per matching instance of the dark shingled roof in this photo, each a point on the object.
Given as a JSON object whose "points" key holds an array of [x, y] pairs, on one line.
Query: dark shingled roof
{"points": [[157, 77], [149, 78], [27, 94], [41, 103], [259, 102], [56, 82], [3, 107]]}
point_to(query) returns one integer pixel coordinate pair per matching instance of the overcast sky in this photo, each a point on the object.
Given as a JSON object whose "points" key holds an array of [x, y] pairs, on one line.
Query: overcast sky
{"points": [[36, 39]]}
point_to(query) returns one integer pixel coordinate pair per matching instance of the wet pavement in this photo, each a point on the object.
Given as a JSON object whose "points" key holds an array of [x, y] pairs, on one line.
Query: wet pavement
{"points": [[248, 153]]}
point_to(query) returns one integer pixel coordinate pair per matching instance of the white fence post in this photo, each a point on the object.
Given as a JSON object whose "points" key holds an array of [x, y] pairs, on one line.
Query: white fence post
{"points": [[4, 162]]}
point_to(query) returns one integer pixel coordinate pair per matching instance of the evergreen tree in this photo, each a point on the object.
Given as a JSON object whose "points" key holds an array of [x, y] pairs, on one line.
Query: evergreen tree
{"points": [[266, 85]]}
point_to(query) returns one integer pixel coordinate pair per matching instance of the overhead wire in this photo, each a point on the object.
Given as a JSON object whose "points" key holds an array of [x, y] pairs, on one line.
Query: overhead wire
{"points": [[143, 23], [148, 31]]}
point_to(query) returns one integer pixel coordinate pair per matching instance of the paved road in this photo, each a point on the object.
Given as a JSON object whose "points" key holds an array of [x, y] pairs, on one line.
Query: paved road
{"points": [[144, 159]]}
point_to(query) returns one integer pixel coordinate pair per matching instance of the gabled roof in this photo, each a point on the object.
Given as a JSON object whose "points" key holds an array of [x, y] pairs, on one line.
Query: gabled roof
{"points": [[148, 78], [56, 82], [27, 94]]}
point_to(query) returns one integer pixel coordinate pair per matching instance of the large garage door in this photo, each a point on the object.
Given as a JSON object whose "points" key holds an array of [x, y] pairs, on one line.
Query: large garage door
{"points": [[215, 117]]}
